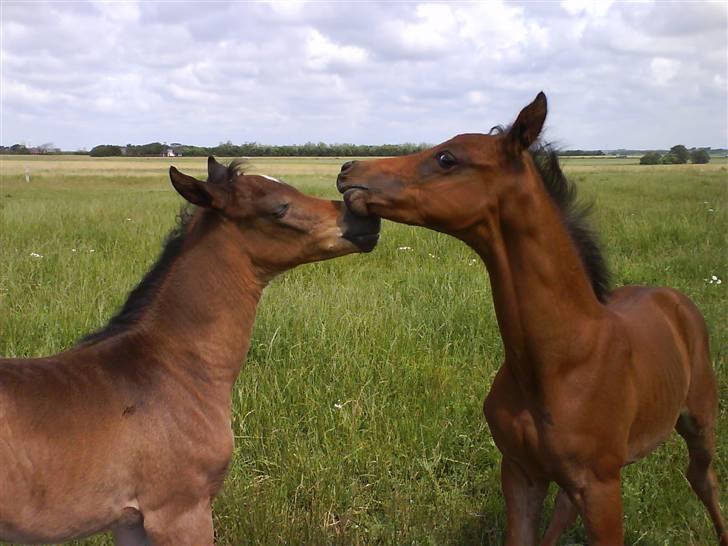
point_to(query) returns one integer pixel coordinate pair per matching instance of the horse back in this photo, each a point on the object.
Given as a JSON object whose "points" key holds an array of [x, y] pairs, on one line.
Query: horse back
{"points": [[662, 320]]}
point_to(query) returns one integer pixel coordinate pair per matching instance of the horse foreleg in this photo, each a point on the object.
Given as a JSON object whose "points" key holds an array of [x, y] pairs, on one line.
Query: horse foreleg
{"points": [[599, 503], [130, 535], [564, 516], [129, 530], [524, 503]]}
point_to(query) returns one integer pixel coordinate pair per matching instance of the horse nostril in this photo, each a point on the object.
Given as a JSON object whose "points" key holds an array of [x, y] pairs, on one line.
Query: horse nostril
{"points": [[347, 166]]}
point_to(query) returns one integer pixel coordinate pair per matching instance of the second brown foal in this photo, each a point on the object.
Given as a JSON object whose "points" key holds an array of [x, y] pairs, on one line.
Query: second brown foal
{"points": [[130, 429], [592, 379]]}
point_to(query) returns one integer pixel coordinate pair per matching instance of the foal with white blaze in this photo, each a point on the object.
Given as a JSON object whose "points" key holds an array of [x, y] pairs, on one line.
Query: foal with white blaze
{"points": [[130, 429]]}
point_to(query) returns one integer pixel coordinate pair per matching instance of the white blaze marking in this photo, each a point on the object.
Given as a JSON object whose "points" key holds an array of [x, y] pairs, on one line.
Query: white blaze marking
{"points": [[270, 178]]}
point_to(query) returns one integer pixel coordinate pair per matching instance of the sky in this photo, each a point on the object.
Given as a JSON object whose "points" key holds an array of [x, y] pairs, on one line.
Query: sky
{"points": [[641, 75]]}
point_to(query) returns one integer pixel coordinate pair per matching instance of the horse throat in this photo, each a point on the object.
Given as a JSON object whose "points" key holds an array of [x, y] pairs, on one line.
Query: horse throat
{"points": [[204, 312], [542, 294]]}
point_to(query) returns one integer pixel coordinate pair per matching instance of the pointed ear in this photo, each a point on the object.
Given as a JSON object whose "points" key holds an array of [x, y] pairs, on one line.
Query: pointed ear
{"points": [[216, 172], [197, 192], [528, 124]]}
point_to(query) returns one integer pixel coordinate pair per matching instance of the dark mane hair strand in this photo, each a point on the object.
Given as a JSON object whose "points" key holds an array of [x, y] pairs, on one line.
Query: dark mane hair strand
{"points": [[574, 213]]}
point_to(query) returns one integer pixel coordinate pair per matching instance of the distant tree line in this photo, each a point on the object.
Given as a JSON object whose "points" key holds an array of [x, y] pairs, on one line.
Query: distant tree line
{"points": [[255, 149], [580, 152], [22, 149], [105, 150], [678, 154]]}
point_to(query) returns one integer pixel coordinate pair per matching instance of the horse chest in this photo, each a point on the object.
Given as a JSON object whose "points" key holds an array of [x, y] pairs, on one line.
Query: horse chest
{"points": [[191, 449], [519, 432]]}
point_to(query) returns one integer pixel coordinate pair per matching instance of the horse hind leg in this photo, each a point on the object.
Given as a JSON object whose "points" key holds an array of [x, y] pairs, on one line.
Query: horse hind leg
{"points": [[697, 427], [564, 516]]}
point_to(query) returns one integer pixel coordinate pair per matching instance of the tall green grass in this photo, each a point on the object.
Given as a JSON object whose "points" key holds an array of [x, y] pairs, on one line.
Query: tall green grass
{"points": [[358, 415]]}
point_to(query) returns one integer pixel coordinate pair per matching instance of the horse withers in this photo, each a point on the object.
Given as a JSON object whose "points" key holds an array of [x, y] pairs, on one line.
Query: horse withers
{"points": [[593, 379], [129, 430]]}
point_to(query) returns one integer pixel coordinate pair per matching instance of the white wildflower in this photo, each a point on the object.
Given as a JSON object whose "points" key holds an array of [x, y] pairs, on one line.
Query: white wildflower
{"points": [[35, 255], [404, 248], [73, 250], [337, 405], [92, 250]]}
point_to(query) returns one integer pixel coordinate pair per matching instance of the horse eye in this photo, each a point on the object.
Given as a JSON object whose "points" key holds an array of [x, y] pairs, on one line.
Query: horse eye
{"points": [[446, 160], [280, 210]]}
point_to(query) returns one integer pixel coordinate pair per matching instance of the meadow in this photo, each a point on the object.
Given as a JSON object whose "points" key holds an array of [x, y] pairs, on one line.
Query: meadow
{"points": [[358, 417]]}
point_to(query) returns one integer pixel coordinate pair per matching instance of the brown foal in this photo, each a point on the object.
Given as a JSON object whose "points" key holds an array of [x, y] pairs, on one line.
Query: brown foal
{"points": [[130, 429], [592, 380]]}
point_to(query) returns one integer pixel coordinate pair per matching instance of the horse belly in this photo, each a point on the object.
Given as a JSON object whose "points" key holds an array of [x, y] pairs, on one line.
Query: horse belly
{"points": [[42, 501], [661, 400], [55, 488], [661, 371], [32, 523]]}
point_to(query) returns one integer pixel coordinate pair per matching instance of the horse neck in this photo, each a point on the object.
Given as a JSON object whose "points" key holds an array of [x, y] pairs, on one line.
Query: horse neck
{"points": [[542, 295], [202, 317]]}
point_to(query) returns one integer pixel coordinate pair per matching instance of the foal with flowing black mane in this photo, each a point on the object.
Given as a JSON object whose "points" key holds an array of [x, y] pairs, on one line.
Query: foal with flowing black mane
{"points": [[130, 429], [592, 380]]}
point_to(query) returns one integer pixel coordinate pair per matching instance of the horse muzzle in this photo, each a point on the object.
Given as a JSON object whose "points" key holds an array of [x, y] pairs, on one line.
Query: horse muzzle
{"points": [[362, 230]]}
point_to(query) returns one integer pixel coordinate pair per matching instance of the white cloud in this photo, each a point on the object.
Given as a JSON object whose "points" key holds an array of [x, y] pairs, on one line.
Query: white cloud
{"points": [[476, 97], [127, 11], [590, 8], [287, 8], [664, 70], [322, 52], [104, 104], [18, 92], [431, 32], [499, 28]]}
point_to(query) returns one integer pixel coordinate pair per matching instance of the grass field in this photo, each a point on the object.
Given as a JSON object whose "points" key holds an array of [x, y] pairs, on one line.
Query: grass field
{"points": [[358, 415]]}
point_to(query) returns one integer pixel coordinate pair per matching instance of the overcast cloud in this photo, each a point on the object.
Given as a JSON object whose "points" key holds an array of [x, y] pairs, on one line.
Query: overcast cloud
{"points": [[637, 75]]}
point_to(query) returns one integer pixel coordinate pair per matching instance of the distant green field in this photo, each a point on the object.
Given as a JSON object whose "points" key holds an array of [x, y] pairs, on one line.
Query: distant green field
{"points": [[358, 415]]}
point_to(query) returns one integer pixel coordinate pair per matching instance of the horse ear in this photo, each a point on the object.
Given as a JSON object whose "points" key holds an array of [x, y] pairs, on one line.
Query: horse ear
{"points": [[528, 124], [215, 171], [197, 192]]}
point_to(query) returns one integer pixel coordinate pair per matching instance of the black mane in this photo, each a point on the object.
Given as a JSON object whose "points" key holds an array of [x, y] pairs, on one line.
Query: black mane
{"points": [[141, 296], [574, 213]]}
